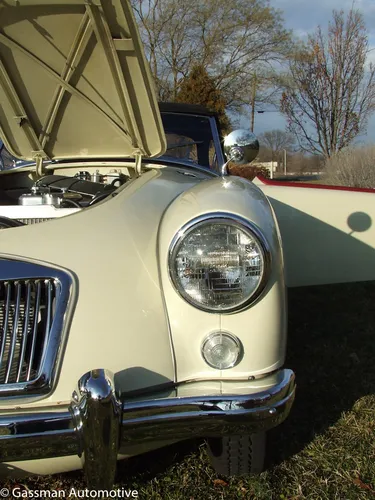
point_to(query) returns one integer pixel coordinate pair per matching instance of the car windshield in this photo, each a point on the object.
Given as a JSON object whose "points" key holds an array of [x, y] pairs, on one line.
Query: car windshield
{"points": [[189, 139]]}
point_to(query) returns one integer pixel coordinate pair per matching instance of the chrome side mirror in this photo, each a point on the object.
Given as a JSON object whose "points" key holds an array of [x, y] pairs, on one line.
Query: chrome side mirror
{"points": [[240, 147]]}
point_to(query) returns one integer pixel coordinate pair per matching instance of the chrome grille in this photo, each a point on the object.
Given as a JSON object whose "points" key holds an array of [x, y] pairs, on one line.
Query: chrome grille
{"points": [[26, 315], [35, 220], [33, 305]]}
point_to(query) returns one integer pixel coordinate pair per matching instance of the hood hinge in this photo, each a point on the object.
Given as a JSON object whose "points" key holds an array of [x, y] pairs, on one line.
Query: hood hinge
{"points": [[138, 162], [39, 156]]}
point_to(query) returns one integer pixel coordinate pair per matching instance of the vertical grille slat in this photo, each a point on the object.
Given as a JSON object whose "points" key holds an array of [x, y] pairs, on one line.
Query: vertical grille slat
{"points": [[5, 316], [14, 333], [49, 307], [49, 303], [25, 332], [35, 329]]}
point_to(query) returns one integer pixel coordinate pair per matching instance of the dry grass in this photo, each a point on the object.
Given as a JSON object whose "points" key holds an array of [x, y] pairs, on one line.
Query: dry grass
{"points": [[324, 451]]}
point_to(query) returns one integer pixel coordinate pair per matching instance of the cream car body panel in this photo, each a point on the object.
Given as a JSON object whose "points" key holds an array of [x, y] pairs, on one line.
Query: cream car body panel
{"points": [[99, 351], [117, 298], [328, 235], [129, 257], [263, 335]]}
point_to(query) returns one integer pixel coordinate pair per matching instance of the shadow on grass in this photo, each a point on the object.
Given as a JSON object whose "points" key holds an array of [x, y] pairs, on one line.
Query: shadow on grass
{"points": [[331, 348], [149, 465]]}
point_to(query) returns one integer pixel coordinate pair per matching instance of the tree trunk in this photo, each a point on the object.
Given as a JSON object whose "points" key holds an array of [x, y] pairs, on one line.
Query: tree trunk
{"points": [[253, 98]]}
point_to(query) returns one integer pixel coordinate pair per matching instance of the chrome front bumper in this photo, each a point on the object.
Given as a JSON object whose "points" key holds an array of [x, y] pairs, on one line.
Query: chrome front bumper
{"points": [[98, 425]]}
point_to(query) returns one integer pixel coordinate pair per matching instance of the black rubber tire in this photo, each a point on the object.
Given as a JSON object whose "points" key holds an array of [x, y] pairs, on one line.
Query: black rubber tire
{"points": [[238, 455]]}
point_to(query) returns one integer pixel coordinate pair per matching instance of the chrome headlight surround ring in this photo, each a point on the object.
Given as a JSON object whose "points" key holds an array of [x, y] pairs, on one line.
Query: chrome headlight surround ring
{"points": [[232, 220]]}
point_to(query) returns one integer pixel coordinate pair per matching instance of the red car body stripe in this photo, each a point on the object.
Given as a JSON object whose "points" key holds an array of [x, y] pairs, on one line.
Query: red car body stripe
{"points": [[270, 182]]}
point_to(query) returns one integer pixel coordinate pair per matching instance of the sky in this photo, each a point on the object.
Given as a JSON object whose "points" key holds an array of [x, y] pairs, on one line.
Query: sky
{"points": [[303, 17]]}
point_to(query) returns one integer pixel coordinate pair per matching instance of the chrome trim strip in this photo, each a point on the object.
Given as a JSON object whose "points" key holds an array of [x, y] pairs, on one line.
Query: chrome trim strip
{"points": [[93, 427], [207, 416], [14, 270], [32, 436], [88, 426], [234, 220]]}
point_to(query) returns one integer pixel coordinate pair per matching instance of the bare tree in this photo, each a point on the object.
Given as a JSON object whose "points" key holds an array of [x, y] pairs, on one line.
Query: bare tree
{"points": [[331, 91], [262, 91], [264, 155], [230, 39], [304, 163], [276, 141], [167, 42], [266, 90]]}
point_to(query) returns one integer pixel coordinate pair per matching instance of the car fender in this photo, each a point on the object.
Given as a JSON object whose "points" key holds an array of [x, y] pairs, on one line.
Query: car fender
{"points": [[262, 326]]}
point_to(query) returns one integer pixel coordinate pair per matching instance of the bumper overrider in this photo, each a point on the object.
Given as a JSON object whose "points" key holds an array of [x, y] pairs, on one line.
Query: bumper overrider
{"points": [[99, 424]]}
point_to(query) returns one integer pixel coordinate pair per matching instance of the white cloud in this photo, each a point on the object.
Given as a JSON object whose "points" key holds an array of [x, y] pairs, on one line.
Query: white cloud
{"points": [[305, 16]]}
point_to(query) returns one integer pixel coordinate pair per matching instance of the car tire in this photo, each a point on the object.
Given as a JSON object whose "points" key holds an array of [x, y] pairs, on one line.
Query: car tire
{"points": [[238, 455]]}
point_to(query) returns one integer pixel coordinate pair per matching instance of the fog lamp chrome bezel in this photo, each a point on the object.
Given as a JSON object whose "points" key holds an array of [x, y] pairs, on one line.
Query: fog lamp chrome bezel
{"points": [[235, 339], [230, 219]]}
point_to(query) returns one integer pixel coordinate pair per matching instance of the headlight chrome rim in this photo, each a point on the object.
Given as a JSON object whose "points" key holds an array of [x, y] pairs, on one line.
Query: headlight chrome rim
{"points": [[233, 220]]}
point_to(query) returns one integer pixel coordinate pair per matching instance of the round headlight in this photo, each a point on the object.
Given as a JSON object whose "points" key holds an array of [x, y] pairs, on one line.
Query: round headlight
{"points": [[219, 264], [222, 350]]}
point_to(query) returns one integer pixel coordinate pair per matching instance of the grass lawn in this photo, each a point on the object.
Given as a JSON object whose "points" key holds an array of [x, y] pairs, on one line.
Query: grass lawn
{"points": [[325, 450]]}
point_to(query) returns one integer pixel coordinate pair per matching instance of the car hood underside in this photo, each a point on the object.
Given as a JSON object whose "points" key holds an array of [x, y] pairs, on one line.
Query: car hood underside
{"points": [[74, 82]]}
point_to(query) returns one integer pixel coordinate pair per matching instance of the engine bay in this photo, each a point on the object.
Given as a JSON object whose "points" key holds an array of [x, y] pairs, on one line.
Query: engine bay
{"points": [[54, 196]]}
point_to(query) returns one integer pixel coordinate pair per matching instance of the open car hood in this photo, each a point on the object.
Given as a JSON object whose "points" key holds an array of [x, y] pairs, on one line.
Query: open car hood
{"points": [[74, 82]]}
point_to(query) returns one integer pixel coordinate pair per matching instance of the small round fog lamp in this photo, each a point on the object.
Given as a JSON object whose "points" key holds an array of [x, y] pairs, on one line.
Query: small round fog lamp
{"points": [[222, 350]]}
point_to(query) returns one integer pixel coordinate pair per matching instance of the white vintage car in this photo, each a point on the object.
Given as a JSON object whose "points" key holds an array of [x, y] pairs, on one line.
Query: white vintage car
{"points": [[142, 289]]}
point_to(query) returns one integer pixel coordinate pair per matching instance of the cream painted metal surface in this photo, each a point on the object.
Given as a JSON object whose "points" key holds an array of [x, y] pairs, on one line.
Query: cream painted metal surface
{"points": [[124, 306], [74, 81], [126, 315], [119, 319], [328, 235], [262, 334]]}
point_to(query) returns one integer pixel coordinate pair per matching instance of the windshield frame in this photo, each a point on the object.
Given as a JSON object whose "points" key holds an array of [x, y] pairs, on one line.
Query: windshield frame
{"points": [[217, 142]]}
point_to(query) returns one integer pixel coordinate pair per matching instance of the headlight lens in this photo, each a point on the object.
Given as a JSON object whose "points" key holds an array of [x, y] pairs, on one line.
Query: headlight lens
{"points": [[222, 350], [219, 264]]}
